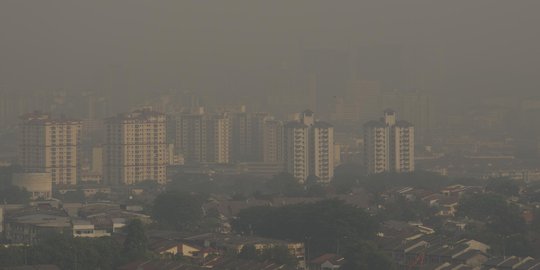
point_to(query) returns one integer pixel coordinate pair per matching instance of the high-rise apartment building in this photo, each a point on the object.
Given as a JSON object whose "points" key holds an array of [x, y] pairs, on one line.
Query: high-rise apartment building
{"points": [[203, 138], [309, 148], [247, 130], [50, 145], [389, 145], [272, 141], [219, 138], [296, 141], [136, 148], [191, 137]]}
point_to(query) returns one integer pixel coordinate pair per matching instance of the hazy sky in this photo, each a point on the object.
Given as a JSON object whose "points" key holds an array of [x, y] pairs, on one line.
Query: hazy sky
{"points": [[482, 46]]}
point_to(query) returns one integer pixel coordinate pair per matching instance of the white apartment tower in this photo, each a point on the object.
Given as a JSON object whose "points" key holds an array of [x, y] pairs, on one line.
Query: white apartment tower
{"points": [[296, 141], [309, 148], [322, 151], [50, 145], [389, 145], [136, 149]]}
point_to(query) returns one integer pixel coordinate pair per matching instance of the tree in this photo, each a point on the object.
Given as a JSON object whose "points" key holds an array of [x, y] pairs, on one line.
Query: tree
{"points": [[72, 196], [503, 186], [136, 243], [348, 176], [284, 183], [406, 210], [177, 210], [312, 180], [362, 255], [277, 254], [76, 253], [322, 222], [14, 195], [519, 245], [9, 193], [316, 190], [248, 252], [498, 220], [280, 255]]}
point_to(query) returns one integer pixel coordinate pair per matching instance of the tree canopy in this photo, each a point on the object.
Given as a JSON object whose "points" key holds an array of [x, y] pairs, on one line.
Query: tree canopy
{"points": [[321, 225], [136, 243], [9, 193], [503, 186], [67, 252], [285, 184], [178, 210], [499, 223]]}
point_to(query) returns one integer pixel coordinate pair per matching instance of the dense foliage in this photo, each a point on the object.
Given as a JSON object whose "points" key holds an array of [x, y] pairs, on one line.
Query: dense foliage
{"points": [[322, 226], [178, 210], [70, 252], [284, 184], [10, 194], [403, 209], [278, 254], [503, 186], [136, 243], [498, 223], [66, 252], [500, 217], [363, 255]]}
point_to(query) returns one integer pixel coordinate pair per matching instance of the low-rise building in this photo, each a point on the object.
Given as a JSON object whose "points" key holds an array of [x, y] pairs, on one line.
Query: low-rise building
{"points": [[30, 225], [85, 228]]}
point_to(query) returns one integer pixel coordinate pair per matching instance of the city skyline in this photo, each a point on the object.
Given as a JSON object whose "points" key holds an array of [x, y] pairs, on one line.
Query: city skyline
{"points": [[277, 135]]}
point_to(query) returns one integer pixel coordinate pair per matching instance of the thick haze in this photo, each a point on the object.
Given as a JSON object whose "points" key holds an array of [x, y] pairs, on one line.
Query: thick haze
{"points": [[465, 47]]}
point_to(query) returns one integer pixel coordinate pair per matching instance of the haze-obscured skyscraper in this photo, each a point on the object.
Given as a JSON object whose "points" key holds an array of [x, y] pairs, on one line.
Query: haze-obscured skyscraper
{"points": [[203, 137], [309, 148], [136, 148], [389, 145], [50, 145], [415, 106], [247, 130], [327, 75], [272, 141]]}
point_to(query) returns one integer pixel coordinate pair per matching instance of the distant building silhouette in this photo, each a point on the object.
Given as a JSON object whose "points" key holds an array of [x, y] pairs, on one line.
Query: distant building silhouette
{"points": [[203, 138], [247, 130]]}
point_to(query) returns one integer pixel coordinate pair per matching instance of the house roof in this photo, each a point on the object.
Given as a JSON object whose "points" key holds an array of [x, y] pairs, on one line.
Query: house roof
{"points": [[160, 245], [329, 257], [469, 254], [529, 265]]}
